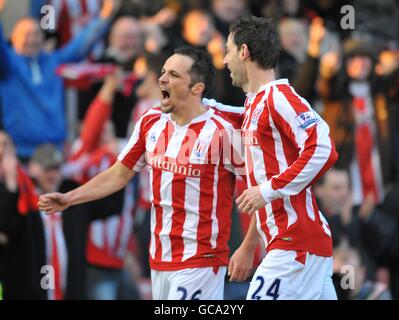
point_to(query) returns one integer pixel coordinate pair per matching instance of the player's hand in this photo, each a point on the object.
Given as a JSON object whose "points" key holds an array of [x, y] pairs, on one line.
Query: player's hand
{"points": [[250, 200], [109, 8], [53, 202], [241, 264]]}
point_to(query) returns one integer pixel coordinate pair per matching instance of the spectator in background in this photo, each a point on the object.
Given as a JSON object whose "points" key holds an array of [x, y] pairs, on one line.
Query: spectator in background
{"points": [[71, 16], [21, 257], [299, 61], [198, 29], [226, 12], [380, 234], [358, 288], [29, 87], [126, 45], [356, 106], [108, 236], [334, 197], [35, 239]]}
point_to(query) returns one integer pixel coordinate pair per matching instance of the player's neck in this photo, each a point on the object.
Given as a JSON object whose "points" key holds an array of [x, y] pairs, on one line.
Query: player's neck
{"points": [[258, 77], [184, 115]]}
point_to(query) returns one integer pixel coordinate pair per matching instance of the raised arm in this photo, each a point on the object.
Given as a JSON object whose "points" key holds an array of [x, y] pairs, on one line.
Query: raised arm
{"points": [[4, 60], [79, 47]]}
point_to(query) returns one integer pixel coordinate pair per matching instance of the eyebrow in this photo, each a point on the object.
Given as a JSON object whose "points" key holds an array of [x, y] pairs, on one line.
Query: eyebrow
{"points": [[170, 71]]}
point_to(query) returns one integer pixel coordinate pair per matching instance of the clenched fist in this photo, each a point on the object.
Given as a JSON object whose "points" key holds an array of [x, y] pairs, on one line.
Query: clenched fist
{"points": [[53, 202]]}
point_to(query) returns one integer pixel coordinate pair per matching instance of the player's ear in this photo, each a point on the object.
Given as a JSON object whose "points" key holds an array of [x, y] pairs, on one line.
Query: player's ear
{"points": [[244, 52], [198, 88]]}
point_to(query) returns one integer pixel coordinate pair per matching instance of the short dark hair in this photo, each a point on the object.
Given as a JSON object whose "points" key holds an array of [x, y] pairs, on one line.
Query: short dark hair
{"points": [[202, 69], [261, 37]]}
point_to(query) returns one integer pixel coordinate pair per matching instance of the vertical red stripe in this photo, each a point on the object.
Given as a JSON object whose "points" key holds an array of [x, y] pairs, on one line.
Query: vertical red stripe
{"points": [[204, 232], [55, 260], [179, 191]]}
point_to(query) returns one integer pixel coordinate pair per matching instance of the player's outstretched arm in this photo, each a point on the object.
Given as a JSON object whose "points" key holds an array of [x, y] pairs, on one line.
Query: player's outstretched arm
{"points": [[102, 185]]}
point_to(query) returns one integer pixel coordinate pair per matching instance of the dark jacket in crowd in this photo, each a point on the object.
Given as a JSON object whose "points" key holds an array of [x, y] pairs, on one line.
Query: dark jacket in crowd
{"points": [[25, 253]]}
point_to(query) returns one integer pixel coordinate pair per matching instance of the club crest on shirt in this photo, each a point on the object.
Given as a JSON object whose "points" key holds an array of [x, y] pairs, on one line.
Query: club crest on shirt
{"points": [[152, 137], [255, 115], [307, 119], [199, 149]]}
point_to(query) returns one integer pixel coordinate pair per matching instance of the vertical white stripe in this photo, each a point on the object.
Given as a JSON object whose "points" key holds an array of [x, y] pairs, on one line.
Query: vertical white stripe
{"points": [[190, 229], [258, 227], [152, 240], [260, 177], [309, 204], [292, 216], [271, 222], [325, 224], [172, 151], [167, 212], [215, 222]]}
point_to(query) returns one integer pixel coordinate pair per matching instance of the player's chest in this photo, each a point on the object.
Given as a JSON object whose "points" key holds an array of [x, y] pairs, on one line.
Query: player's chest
{"points": [[172, 147]]}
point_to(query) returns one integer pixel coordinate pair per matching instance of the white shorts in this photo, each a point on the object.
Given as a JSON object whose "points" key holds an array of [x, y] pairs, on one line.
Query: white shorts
{"points": [[281, 277], [188, 284]]}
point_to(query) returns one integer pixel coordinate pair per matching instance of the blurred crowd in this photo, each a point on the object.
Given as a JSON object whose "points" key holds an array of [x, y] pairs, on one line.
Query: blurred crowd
{"points": [[70, 96]]}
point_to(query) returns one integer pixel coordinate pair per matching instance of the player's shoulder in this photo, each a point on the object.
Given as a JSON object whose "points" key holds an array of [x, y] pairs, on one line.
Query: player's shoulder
{"points": [[151, 113], [225, 120]]}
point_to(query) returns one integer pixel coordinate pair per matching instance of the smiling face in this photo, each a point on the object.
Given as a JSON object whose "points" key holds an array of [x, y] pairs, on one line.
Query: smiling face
{"points": [[175, 82], [234, 64]]}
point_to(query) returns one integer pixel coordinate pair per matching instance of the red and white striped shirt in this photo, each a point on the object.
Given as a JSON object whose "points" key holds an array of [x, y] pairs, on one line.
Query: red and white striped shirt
{"points": [[191, 185], [287, 147]]}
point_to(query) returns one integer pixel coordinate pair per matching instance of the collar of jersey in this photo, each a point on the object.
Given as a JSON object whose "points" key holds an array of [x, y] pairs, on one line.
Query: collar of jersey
{"points": [[202, 117], [264, 87]]}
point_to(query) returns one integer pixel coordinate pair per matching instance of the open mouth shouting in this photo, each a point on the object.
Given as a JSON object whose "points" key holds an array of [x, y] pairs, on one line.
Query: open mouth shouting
{"points": [[166, 97]]}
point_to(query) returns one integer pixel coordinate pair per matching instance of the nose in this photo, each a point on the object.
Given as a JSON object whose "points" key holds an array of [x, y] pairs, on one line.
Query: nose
{"points": [[225, 60], [163, 78]]}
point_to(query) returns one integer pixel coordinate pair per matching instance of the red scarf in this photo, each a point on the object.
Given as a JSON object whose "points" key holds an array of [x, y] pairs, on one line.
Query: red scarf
{"points": [[27, 200], [364, 149]]}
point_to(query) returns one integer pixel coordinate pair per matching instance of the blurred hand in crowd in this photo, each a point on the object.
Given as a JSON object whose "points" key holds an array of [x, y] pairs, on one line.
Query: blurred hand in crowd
{"points": [[317, 33], [109, 8], [367, 207], [329, 64], [388, 62], [164, 17]]}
